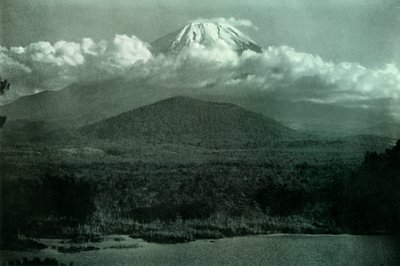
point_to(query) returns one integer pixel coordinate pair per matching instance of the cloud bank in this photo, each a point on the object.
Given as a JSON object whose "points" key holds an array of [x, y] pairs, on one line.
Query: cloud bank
{"points": [[279, 71], [45, 66]]}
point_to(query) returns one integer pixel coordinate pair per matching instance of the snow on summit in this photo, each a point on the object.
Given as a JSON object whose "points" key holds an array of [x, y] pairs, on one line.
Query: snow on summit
{"points": [[207, 34]]}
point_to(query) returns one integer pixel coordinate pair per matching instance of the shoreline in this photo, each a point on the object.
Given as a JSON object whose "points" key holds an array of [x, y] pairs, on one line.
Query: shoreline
{"points": [[300, 249], [54, 243]]}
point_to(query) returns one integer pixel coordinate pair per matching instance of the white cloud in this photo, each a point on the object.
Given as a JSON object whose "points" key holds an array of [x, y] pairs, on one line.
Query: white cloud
{"points": [[126, 51], [299, 75], [281, 71], [45, 66]]}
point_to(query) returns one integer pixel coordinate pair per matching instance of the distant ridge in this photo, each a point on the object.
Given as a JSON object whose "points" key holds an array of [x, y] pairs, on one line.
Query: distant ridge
{"points": [[81, 103]]}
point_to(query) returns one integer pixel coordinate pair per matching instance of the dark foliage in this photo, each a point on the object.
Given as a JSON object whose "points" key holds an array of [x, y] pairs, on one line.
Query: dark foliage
{"points": [[37, 262], [66, 197], [21, 244], [373, 193], [245, 196], [2, 120], [280, 199], [45, 202], [4, 86]]}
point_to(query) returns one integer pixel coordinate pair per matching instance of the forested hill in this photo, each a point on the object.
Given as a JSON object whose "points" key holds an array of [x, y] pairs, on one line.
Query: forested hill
{"points": [[190, 121]]}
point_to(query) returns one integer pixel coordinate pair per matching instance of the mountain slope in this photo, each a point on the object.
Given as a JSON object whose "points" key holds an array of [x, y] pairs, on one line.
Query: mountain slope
{"points": [[86, 103], [190, 121], [316, 118], [207, 34], [82, 103], [385, 129]]}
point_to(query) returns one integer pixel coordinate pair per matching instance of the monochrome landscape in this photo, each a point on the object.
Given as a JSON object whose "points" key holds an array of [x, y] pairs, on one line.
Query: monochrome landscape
{"points": [[200, 145]]}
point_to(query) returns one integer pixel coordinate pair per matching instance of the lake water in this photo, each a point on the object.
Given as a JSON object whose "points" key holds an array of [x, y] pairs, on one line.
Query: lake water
{"points": [[251, 250]]}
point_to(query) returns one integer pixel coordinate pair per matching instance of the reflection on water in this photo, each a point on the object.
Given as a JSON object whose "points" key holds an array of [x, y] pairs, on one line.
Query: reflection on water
{"points": [[252, 250]]}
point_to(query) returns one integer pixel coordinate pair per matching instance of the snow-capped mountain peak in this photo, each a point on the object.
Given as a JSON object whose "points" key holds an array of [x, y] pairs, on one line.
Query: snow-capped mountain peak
{"points": [[207, 34]]}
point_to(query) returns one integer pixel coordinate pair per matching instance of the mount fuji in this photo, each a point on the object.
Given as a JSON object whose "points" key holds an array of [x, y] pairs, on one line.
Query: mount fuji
{"points": [[207, 34], [89, 102]]}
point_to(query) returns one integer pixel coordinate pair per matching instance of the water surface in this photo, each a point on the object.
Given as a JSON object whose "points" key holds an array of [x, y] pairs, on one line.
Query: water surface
{"points": [[250, 250]]}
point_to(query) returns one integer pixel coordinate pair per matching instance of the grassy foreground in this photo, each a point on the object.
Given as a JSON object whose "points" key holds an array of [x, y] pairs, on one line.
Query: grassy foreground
{"points": [[168, 203]]}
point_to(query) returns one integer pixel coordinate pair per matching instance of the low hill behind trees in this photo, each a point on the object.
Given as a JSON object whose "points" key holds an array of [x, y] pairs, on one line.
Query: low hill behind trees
{"points": [[194, 122]]}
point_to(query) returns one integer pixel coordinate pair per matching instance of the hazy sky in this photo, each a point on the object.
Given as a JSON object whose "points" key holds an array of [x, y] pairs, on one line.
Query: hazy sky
{"points": [[362, 31]]}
